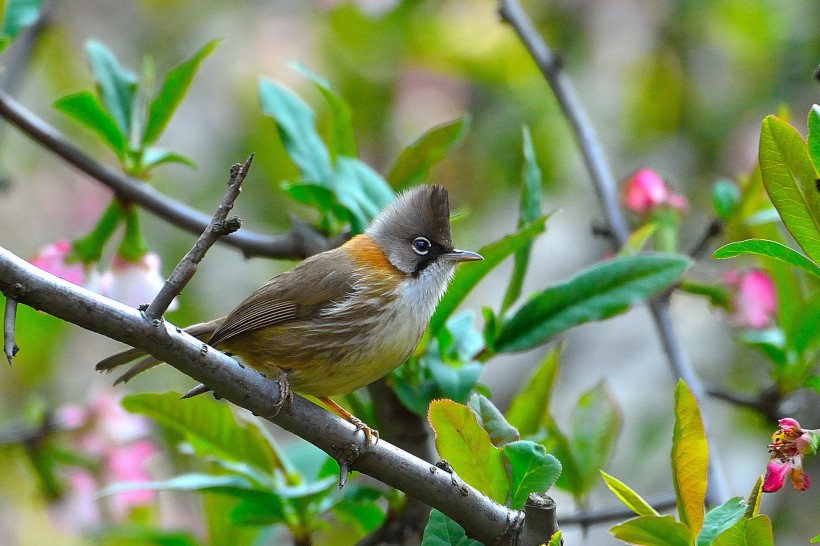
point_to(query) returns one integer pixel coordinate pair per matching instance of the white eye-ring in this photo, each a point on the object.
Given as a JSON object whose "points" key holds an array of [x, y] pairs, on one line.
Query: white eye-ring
{"points": [[421, 246]]}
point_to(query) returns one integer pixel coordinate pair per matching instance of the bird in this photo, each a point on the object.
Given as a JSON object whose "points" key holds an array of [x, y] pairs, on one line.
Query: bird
{"points": [[342, 318]]}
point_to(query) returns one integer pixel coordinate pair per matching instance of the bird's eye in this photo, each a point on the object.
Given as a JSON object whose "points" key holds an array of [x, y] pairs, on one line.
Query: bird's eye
{"points": [[421, 245]]}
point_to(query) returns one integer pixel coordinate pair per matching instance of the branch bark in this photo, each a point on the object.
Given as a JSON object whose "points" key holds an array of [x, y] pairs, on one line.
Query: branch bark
{"points": [[302, 241], [482, 518]]}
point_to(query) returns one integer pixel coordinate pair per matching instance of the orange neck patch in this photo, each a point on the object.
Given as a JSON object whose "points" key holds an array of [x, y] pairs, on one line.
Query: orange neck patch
{"points": [[366, 252]]}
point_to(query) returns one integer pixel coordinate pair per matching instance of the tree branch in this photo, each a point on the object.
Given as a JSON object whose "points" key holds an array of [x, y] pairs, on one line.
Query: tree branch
{"points": [[604, 182], [482, 518], [300, 242]]}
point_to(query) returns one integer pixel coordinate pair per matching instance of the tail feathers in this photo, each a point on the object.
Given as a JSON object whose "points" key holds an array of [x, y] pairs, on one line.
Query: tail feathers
{"points": [[202, 331]]}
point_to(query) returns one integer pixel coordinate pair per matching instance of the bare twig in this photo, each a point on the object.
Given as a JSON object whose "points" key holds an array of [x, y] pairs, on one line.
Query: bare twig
{"points": [[482, 518], [10, 347], [601, 173], [714, 229], [218, 227], [298, 243]]}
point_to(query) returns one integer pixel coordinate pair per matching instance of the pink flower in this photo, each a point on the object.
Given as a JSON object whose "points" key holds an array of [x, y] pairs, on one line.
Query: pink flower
{"points": [[755, 301], [127, 464], [134, 283], [646, 191], [790, 443], [56, 259]]}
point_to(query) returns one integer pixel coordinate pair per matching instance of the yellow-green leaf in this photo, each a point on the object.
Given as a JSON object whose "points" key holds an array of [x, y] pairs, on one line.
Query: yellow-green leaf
{"points": [[529, 408], [467, 447], [690, 459], [753, 500], [790, 179], [628, 496], [653, 531], [556, 540]]}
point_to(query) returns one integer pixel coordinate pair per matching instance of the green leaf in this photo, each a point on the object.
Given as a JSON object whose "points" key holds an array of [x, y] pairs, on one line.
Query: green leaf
{"points": [[18, 15], [595, 426], [815, 539], [491, 420], [597, 293], [443, 531], [556, 539], [814, 135], [630, 498], [415, 161], [85, 108], [690, 459], [342, 137], [638, 239], [157, 156], [653, 531], [235, 485], [116, 85], [790, 179], [530, 211], [529, 409], [174, 86], [753, 500], [361, 190], [461, 441], [725, 198], [721, 518], [296, 126], [772, 249], [453, 382], [259, 508], [804, 331], [533, 470], [467, 278], [210, 427], [756, 531]]}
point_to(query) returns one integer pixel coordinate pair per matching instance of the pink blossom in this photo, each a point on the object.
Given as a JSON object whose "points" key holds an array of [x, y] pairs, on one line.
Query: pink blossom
{"points": [[790, 443], [134, 283], [127, 464], [55, 258], [646, 191], [755, 301]]}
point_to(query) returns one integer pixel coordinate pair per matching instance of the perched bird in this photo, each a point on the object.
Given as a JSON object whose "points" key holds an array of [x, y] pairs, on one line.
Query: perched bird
{"points": [[341, 319]]}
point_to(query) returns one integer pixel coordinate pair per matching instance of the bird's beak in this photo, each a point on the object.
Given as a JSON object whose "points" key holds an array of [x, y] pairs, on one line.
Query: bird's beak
{"points": [[456, 255]]}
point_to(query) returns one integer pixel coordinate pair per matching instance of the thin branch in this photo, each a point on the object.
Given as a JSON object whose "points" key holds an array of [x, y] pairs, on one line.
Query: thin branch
{"points": [[217, 228], [482, 518], [588, 519], [551, 66], [298, 243], [604, 182], [714, 229], [10, 347]]}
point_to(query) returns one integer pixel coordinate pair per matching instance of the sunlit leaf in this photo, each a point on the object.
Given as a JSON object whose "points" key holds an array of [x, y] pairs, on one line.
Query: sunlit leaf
{"points": [[467, 447], [443, 531], [85, 108], [210, 427], [529, 408], [533, 470], [791, 181], [653, 531], [813, 138], [753, 500], [170, 95], [719, 519], [630, 498], [756, 531], [467, 278], [690, 459], [556, 539], [600, 292], [116, 84], [772, 249], [416, 160]]}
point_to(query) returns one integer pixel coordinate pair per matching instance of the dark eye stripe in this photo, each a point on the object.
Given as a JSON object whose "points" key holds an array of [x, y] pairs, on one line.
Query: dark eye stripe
{"points": [[425, 260]]}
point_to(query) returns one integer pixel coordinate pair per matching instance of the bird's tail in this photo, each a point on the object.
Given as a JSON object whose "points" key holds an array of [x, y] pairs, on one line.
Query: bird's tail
{"points": [[202, 331]]}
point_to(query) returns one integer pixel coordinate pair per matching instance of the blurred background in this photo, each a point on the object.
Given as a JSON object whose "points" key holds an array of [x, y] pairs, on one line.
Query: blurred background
{"points": [[680, 87]]}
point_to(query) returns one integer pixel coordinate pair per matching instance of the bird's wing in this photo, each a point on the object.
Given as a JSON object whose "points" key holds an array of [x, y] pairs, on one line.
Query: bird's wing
{"points": [[298, 294]]}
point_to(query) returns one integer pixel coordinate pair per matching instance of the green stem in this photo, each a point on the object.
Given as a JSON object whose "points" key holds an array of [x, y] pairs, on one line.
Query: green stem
{"points": [[133, 246], [89, 247]]}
